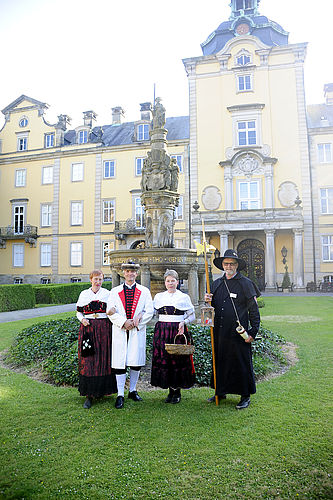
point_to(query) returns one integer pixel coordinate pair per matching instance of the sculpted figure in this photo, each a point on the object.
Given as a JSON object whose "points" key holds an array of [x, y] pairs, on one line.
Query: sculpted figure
{"points": [[174, 175], [158, 114]]}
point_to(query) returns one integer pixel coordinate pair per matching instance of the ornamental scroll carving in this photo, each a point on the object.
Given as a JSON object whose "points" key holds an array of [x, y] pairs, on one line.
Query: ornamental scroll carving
{"points": [[287, 194], [247, 165], [211, 198]]}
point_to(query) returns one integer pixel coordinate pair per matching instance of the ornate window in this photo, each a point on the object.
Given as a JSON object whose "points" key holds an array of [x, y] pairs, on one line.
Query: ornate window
{"points": [[247, 133]]}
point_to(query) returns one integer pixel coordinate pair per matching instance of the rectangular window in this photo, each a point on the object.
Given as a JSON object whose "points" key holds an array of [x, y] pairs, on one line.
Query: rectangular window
{"points": [[76, 254], [244, 83], [19, 219], [107, 246], [326, 200], [76, 213], [108, 211], [139, 213], [45, 254], [247, 133], [22, 143], [143, 132], [47, 175], [46, 215], [109, 169], [77, 172], [138, 166], [327, 248], [249, 195], [18, 255], [82, 137], [179, 211], [49, 140], [18, 281], [20, 177], [179, 159], [243, 59], [325, 153]]}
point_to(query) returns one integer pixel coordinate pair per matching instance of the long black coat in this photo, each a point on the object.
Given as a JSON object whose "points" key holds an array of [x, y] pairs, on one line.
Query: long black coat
{"points": [[233, 356]]}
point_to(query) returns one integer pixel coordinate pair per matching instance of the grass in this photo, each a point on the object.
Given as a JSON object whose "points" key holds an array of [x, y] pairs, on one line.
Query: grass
{"points": [[279, 448]]}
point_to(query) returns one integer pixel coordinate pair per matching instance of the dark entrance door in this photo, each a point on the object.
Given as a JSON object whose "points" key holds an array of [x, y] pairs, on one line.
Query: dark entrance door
{"points": [[253, 252]]}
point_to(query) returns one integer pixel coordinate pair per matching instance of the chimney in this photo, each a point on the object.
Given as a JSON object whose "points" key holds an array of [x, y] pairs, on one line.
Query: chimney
{"points": [[88, 118], [328, 93], [61, 126], [145, 110], [118, 115]]}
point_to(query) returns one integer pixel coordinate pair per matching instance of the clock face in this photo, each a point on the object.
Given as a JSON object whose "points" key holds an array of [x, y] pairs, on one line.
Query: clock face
{"points": [[243, 29]]}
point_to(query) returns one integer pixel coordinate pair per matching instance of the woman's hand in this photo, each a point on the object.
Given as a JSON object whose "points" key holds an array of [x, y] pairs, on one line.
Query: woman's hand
{"points": [[85, 322], [208, 297], [181, 327]]}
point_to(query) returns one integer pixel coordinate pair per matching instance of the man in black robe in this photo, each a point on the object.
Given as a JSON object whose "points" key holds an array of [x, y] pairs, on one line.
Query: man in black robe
{"points": [[234, 298]]}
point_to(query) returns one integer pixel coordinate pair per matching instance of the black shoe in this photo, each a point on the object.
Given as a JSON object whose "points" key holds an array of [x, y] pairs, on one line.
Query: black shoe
{"points": [[244, 403], [135, 396], [87, 404], [169, 396], [212, 399], [119, 402], [176, 397]]}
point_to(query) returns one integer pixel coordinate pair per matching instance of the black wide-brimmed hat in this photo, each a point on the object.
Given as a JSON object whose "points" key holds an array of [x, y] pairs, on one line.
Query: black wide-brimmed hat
{"points": [[130, 264], [231, 254]]}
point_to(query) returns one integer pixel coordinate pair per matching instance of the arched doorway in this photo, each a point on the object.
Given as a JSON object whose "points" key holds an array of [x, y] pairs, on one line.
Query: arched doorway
{"points": [[253, 252], [138, 244]]}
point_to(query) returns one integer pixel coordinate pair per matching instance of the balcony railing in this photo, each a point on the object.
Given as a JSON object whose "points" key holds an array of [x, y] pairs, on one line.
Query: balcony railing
{"points": [[129, 226], [28, 233]]}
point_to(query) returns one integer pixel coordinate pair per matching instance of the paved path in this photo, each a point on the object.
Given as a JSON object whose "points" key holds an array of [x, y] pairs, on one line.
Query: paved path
{"points": [[5, 317]]}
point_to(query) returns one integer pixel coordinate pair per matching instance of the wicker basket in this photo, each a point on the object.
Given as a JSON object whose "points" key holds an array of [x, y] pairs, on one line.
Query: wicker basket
{"points": [[180, 349]]}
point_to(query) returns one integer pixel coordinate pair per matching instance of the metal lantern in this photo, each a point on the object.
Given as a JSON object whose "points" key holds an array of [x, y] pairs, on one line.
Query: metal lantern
{"points": [[207, 316]]}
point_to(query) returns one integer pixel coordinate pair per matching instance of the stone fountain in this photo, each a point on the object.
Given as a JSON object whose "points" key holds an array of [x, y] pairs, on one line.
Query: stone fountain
{"points": [[159, 196]]}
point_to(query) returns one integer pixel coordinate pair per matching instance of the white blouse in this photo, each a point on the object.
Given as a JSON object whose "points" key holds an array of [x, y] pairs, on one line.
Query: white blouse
{"points": [[87, 296], [177, 299]]}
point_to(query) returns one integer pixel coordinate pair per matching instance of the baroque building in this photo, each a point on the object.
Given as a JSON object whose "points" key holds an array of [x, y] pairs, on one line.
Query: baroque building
{"points": [[255, 165]]}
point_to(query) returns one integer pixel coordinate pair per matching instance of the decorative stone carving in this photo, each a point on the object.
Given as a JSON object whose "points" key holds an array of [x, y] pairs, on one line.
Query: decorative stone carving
{"points": [[229, 153], [266, 150], [287, 194], [247, 165], [158, 114], [211, 198]]}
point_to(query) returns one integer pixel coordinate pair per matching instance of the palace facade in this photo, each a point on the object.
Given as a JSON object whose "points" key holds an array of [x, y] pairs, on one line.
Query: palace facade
{"points": [[256, 165]]}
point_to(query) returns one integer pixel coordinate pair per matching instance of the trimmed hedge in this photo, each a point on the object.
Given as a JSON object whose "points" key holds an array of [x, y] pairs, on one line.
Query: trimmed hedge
{"points": [[52, 347], [66, 293], [14, 297]]}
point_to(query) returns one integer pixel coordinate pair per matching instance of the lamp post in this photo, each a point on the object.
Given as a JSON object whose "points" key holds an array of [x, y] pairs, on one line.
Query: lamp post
{"points": [[284, 253]]}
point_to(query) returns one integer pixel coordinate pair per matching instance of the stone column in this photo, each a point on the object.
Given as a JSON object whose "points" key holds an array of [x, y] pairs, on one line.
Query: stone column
{"points": [[270, 270], [298, 264], [202, 287], [115, 278], [269, 187], [193, 284], [145, 276], [223, 241], [228, 188]]}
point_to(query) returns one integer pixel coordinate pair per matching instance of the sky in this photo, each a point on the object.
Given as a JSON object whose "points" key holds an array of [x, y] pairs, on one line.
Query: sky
{"points": [[79, 55]]}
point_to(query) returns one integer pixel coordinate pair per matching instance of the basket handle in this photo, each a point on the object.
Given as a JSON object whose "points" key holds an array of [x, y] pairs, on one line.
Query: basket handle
{"points": [[174, 340]]}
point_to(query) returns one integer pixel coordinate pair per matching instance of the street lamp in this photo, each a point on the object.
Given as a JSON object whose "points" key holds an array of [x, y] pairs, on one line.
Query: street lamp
{"points": [[284, 253]]}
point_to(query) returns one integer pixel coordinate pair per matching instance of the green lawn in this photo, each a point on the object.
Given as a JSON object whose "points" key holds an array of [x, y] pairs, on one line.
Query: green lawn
{"points": [[279, 448]]}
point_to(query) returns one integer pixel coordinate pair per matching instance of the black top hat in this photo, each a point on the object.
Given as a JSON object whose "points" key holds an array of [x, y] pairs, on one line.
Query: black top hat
{"points": [[231, 254], [130, 264]]}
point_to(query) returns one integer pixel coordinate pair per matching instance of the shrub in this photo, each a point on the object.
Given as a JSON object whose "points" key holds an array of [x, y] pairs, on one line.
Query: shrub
{"points": [[52, 347], [15, 297], [66, 293]]}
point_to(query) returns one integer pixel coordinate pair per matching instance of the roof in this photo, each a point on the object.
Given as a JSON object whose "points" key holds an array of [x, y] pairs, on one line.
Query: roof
{"points": [[117, 135], [320, 115]]}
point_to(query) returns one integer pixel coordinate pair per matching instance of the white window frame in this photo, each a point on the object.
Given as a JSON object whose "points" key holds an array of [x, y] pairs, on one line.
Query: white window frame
{"points": [[77, 213], [243, 54], [327, 247], [45, 254], [46, 215], [247, 82], [18, 254], [139, 213], [324, 151], [107, 246], [110, 164], [49, 140], [326, 200], [82, 136], [108, 211], [139, 165], [179, 211], [19, 218], [77, 172], [76, 254], [142, 132], [47, 174], [23, 122], [249, 199], [22, 141], [20, 177], [253, 113], [180, 162], [248, 129]]}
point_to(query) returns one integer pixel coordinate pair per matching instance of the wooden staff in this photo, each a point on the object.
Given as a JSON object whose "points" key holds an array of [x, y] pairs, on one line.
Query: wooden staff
{"points": [[211, 328]]}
